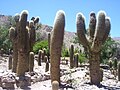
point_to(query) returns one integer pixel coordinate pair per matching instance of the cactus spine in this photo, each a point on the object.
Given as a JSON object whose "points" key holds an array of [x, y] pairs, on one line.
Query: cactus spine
{"points": [[56, 46], [10, 62], [31, 61], [55, 85], [96, 37], [71, 56]]}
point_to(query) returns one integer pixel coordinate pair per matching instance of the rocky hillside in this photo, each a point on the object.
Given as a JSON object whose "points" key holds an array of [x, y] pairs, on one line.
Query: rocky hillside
{"points": [[68, 37], [5, 20]]}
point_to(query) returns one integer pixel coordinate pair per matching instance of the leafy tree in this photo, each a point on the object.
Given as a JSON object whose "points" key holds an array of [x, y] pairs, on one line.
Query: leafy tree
{"points": [[108, 50], [40, 45]]}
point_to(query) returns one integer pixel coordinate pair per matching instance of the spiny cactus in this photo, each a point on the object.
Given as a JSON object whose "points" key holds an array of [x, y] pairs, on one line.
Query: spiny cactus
{"points": [[56, 46], [47, 64], [110, 64], [49, 37], [115, 63], [39, 57], [97, 35], [119, 71], [23, 45], [13, 34], [71, 56], [10, 62], [31, 61], [101, 74], [55, 85], [76, 57]]}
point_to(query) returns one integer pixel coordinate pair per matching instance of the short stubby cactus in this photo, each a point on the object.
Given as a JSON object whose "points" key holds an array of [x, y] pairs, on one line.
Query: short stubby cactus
{"points": [[93, 40], [10, 62], [56, 46], [119, 71], [39, 57], [76, 57], [55, 85], [72, 56], [31, 61]]}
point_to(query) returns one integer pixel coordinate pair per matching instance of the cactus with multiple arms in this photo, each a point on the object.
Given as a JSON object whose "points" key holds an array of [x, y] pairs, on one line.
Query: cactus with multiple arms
{"points": [[93, 42], [56, 46]]}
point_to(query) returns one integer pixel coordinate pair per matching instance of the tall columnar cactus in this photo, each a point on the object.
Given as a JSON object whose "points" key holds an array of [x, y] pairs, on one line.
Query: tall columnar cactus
{"points": [[55, 85], [49, 37], [76, 57], [56, 46], [39, 57], [119, 71], [23, 41], [97, 35], [31, 61], [13, 34], [71, 56], [10, 62]]}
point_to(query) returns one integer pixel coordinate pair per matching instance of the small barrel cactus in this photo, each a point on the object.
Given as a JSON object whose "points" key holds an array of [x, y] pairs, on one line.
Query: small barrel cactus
{"points": [[56, 46], [72, 56], [31, 61], [55, 85]]}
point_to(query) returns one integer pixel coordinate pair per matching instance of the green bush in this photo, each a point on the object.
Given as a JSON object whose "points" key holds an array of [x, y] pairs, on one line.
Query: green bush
{"points": [[65, 53], [40, 45], [82, 58]]}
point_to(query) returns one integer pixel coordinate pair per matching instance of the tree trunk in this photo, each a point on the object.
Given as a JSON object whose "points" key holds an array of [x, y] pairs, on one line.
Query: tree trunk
{"points": [[94, 68]]}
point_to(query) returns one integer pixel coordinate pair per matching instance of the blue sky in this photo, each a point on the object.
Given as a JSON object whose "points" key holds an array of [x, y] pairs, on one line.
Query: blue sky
{"points": [[46, 10]]}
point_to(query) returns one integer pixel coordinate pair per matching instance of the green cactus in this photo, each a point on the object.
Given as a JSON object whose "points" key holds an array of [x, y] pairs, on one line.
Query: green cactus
{"points": [[76, 57], [55, 85], [39, 57], [10, 62], [97, 35], [56, 46], [119, 71], [71, 56], [13, 34], [31, 61]]}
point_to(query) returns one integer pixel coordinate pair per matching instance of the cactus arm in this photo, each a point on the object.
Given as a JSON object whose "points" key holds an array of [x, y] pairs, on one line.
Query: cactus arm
{"points": [[92, 25], [99, 32], [81, 29], [107, 29]]}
